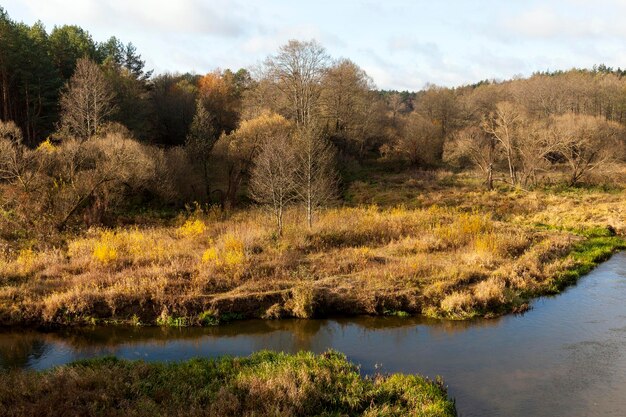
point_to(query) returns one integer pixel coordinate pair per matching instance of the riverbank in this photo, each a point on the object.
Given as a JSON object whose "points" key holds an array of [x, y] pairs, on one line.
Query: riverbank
{"points": [[402, 244], [263, 384]]}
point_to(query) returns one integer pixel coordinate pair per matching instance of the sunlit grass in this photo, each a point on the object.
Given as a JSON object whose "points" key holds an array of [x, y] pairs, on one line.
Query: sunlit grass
{"points": [[461, 252]]}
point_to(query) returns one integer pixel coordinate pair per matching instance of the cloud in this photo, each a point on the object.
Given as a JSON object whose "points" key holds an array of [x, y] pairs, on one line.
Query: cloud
{"points": [[412, 45], [217, 18], [543, 22], [269, 40]]}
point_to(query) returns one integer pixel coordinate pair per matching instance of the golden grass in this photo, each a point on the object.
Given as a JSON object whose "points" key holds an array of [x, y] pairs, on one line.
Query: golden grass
{"points": [[456, 253]]}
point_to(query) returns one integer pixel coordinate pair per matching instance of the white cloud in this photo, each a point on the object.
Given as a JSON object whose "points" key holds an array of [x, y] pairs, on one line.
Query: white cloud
{"points": [[217, 17], [545, 22]]}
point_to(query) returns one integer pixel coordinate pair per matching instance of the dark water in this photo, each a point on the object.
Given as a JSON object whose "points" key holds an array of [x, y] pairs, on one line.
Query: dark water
{"points": [[566, 357]]}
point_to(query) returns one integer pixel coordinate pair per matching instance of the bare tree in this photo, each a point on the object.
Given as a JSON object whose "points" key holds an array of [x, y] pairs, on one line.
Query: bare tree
{"points": [[441, 106], [419, 141], [297, 71], [272, 178], [239, 148], [396, 105], [11, 151], [536, 143], [315, 173], [87, 101], [586, 143], [17, 162], [481, 148], [94, 173], [502, 124], [348, 104]]}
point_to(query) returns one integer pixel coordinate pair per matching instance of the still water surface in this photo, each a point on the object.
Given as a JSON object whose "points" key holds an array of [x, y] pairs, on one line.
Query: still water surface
{"points": [[565, 357]]}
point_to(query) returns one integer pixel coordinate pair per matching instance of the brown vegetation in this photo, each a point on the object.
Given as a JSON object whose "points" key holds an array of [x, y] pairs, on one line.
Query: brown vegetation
{"points": [[458, 252]]}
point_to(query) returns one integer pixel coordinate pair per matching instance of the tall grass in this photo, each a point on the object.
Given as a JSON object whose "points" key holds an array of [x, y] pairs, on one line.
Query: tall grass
{"points": [[465, 253]]}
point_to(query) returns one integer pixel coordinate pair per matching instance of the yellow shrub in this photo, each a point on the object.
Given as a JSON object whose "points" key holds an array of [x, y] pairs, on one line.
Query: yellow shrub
{"points": [[192, 228], [25, 260], [473, 224], [46, 146], [486, 243], [104, 251], [504, 244], [232, 243], [230, 255], [135, 242], [26, 257], [209, 255], [233, 258]]}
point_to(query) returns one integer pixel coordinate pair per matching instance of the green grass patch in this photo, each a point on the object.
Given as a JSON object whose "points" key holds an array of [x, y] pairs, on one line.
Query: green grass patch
{"points": [[263, 384], [586, 255]]}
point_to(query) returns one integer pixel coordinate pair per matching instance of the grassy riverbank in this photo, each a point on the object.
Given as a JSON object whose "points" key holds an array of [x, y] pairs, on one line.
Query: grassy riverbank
{"points": [[409, 243], [263, 384]]}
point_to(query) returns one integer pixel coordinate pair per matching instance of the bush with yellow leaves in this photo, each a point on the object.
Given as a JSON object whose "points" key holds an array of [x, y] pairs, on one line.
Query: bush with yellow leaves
{"points": [[228, 254], [192, 228]]}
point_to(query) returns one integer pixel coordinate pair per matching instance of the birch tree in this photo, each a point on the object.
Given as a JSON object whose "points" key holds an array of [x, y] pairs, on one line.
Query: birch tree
{"points": [[272, 178], [315, 174], [502, 124]]}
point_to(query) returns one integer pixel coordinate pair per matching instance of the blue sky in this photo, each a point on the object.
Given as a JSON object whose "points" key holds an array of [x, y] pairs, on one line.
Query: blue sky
{"points": [[401, 44]]}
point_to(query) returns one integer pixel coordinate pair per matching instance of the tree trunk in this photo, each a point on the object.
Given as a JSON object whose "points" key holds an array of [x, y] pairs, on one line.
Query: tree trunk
{"points": [[509, 158], [279, 221], [207, 185]]}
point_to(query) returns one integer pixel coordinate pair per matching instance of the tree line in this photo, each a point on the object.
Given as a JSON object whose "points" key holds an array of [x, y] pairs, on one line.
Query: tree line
{"points": [[85, 130]]}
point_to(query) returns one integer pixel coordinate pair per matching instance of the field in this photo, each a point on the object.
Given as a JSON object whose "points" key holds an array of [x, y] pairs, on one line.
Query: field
{"points": [[432, 243]]}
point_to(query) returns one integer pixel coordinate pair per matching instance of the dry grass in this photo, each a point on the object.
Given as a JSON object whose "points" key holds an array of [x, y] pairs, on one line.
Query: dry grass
{"points": [[443, 260]]}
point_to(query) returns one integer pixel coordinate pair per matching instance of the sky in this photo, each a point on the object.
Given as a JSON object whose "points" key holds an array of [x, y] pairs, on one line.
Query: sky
{"points": [[401, 44]]}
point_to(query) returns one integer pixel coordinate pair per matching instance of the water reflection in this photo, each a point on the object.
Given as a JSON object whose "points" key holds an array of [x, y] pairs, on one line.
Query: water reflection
{"points": [[26, 348], [18, 350], [567, 356]]}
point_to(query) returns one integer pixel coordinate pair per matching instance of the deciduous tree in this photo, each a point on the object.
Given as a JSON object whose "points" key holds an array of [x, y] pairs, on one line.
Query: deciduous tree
{"points": [[587, 143], [87, 102], [315, 174], [296, 72], [272, 178]]}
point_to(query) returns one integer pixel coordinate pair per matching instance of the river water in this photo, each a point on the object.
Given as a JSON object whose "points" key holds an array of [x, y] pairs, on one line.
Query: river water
{"points": [[565, 357]]}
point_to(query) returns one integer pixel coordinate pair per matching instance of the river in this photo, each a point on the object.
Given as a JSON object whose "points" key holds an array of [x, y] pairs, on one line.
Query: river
{"points": [[564, 357]]}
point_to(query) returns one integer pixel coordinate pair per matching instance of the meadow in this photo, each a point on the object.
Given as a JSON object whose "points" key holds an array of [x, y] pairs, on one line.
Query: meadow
{"points": [[411, 242]]}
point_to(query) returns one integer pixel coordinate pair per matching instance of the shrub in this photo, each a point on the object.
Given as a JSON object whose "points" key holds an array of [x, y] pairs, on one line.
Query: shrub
{"points": [[192, 228], [210, 255], [104, 252]]}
